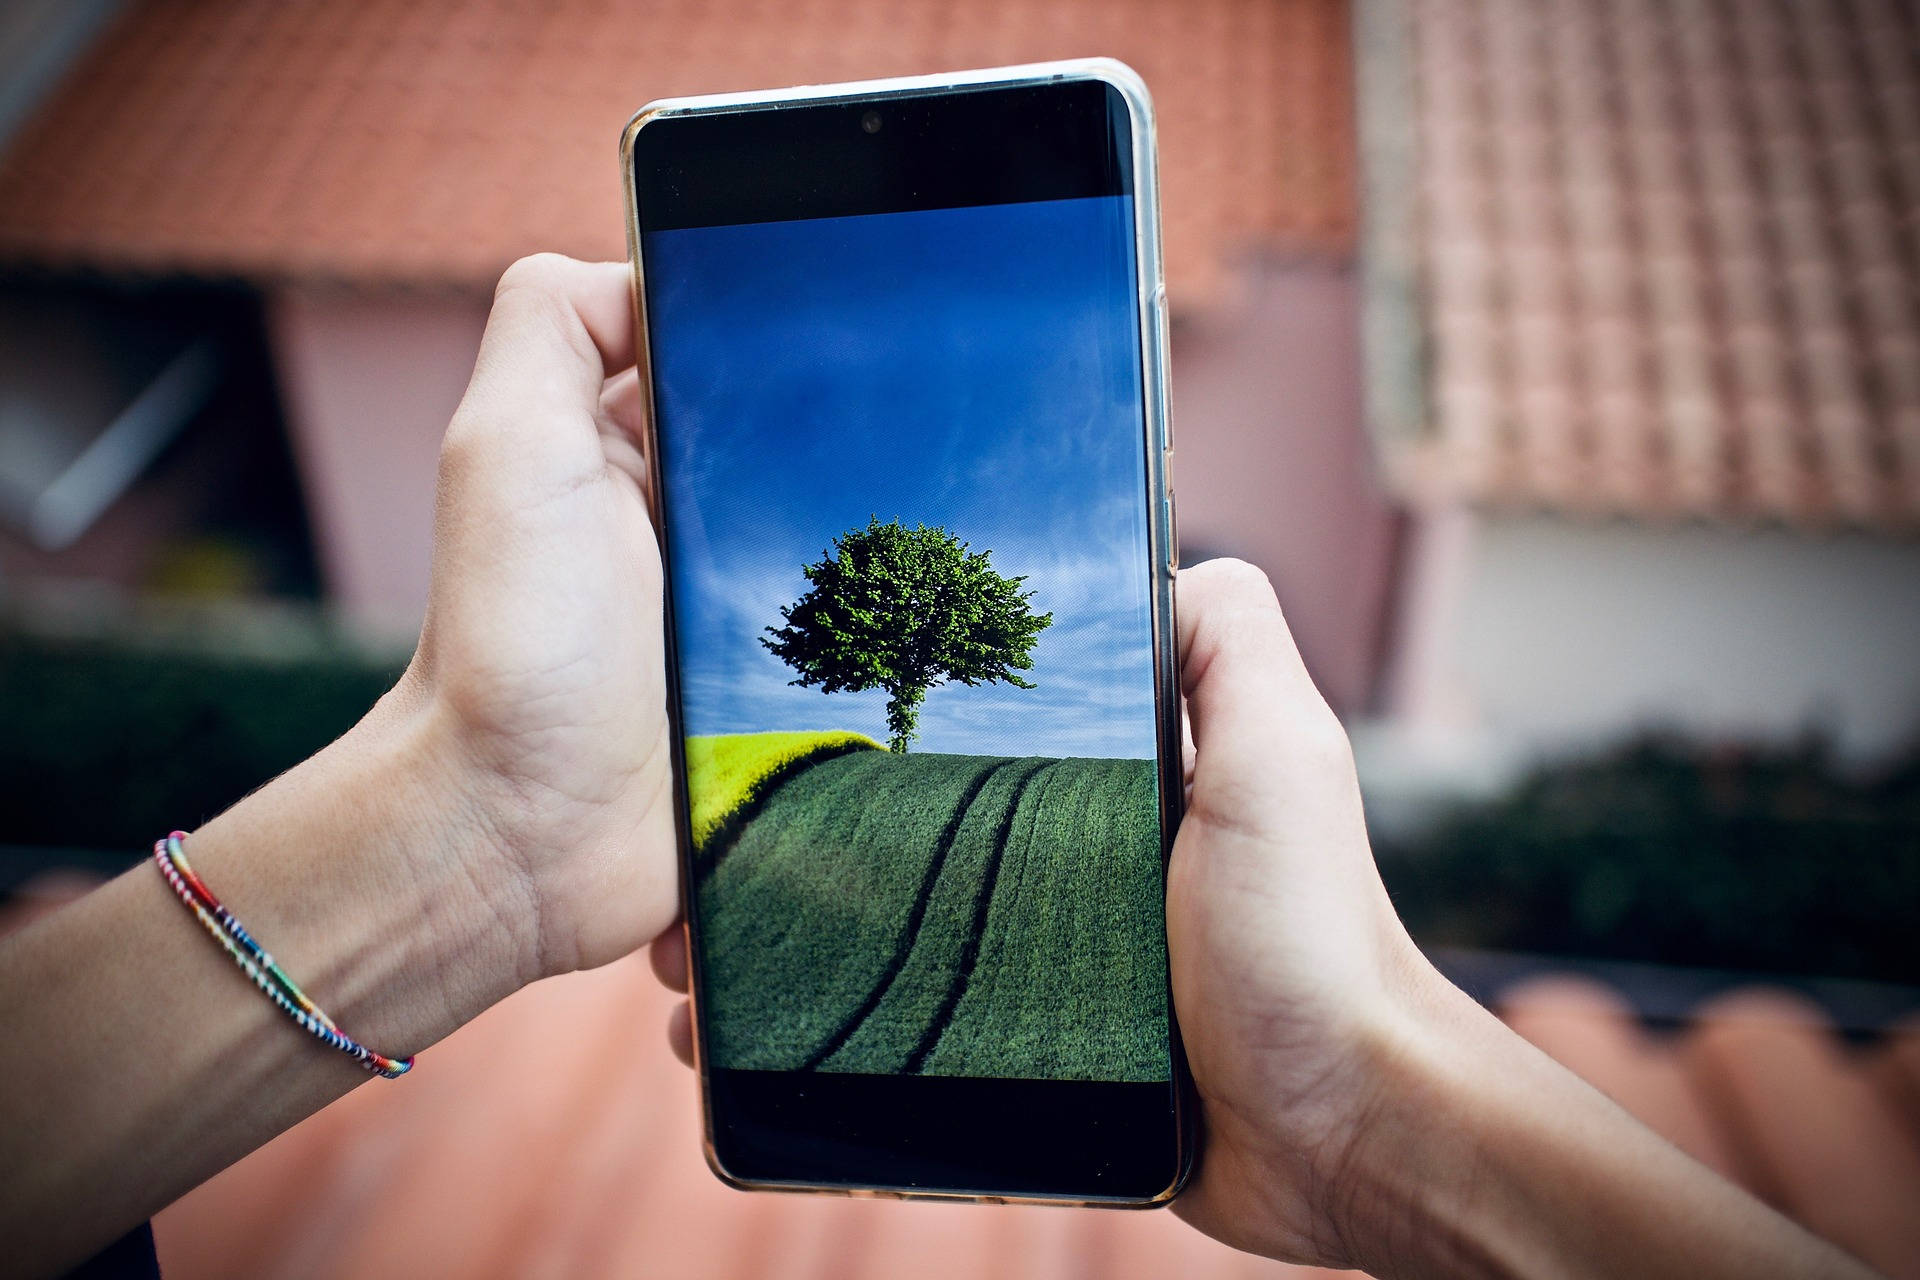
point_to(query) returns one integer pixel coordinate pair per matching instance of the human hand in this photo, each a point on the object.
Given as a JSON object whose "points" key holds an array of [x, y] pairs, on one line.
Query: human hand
{"points": [[1289, 963], [1358, 1110], [501, 814], [540, 664]]}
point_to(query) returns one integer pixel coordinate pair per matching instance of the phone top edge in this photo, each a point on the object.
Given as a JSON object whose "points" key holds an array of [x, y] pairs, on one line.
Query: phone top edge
{"points": [[1108, 70]]}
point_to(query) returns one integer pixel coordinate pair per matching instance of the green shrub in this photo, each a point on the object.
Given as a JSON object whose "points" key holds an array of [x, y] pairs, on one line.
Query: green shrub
{"points": [[1664, 852]]}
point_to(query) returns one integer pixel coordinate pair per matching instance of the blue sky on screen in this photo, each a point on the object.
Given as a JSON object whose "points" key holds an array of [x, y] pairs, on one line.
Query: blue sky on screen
{"points": [[974, 368]]}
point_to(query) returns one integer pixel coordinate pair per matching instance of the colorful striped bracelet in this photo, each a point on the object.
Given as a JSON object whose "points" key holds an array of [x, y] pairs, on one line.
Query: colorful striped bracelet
{"points": [[171, 857]]}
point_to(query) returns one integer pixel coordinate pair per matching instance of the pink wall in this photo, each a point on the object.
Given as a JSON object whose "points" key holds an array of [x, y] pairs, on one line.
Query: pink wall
{"points": [[1271, 463], [369, 381]]}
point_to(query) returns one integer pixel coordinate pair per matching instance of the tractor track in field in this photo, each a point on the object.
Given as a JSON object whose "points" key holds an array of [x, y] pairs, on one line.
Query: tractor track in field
{"points": [[910, 936], [943, 914], [970, 954]]}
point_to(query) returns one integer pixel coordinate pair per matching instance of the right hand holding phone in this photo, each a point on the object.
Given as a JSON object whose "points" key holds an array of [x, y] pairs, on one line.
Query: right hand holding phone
{"points": [[1290, 967], [1358, 1109]]}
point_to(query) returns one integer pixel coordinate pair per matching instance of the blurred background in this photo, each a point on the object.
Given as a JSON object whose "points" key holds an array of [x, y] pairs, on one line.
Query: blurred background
{"points": [[1559, 361]]}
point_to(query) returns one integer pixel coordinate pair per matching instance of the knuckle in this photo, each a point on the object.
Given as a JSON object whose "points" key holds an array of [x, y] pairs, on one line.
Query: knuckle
{"points": [[1323, 741], [1244, 613], [1246, 582], [541, 272], [534, 292], [1246, 631], [465, 451]]}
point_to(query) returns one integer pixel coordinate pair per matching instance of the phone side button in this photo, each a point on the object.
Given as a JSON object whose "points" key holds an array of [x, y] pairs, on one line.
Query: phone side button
{"points": [[1163, 341], [1172, 522]]}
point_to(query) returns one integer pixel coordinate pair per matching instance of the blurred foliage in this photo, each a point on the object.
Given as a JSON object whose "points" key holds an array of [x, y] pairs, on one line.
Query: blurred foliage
{"points": [[107, 746], [1664, 852]]}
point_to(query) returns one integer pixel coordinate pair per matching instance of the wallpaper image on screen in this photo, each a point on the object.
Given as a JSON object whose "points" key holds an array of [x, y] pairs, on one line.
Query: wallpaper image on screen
{"points": [[905, 496]]}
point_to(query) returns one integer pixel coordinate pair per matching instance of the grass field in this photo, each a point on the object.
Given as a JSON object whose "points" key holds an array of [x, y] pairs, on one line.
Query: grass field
{"points": [[954, 915]]}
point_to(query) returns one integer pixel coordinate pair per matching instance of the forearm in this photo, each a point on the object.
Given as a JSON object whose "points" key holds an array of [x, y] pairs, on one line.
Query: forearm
{"points": [[1483, 1157], [140, 1060]]}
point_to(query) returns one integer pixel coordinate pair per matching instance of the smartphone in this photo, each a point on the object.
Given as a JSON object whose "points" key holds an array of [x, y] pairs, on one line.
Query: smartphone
{"points": [[904, 346]]}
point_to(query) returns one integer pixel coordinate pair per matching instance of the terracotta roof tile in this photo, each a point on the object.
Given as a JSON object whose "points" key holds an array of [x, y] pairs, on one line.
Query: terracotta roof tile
{"points": [[1759, 1087], [1667, 255], [590, 1166], [1579, 1021], [1825, 1145], [431, 143]]}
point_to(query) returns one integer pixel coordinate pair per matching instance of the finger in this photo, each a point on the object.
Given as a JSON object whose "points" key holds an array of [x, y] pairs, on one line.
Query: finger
{"points": [[668, 955], [622, 423], [586, 305], [528, 425], [558, 330], [680, 1032], [621, 408], [1236, 654], [1251, 706], [1186, 745]]}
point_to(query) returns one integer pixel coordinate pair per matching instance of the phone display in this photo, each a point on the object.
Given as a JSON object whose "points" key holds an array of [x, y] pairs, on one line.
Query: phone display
{"points": [[907, 468]]}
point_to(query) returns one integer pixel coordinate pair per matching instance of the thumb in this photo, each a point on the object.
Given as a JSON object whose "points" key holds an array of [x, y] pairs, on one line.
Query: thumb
{"points": [[558, 330], [1261, 731]]}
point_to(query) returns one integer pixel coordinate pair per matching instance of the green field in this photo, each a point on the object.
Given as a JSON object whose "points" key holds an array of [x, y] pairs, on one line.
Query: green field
{"points": [[954, 915]]}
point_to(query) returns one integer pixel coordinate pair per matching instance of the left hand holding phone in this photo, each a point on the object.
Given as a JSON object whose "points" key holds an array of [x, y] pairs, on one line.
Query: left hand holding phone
{"points": [[542, 648]]}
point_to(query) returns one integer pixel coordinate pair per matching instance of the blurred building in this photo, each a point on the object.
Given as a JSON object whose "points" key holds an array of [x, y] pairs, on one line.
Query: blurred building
{"points": [[1645, 366], [1641, 433], [370, 169]]}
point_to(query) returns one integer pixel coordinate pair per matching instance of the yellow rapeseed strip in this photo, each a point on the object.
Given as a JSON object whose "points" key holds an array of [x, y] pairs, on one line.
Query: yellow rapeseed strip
{"points": [[726, 771]]}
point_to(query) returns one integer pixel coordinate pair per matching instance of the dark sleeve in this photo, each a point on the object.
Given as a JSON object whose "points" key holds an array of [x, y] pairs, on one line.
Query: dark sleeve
{"points": [[131, 1257]]}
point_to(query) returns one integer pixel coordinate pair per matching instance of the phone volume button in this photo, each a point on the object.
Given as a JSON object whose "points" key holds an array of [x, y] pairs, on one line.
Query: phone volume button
{"points": [[1162, 343], [1172, 524]]}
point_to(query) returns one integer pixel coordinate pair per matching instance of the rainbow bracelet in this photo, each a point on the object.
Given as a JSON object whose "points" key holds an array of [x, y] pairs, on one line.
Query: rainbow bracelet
{"points": [[171, 857]]}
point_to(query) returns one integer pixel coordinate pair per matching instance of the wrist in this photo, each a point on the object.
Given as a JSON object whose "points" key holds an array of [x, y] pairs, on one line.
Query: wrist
{"points": [[449, 853], [1444, 1079], [1484, 1157], [400, 913]]}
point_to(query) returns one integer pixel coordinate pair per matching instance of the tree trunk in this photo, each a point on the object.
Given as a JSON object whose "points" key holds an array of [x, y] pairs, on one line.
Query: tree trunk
{"points": [[903, 715]]}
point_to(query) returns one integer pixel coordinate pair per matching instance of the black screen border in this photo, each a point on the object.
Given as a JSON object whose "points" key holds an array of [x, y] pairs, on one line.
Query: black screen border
{"points": [[1052, 1141], [1006, 144], [945, 1135]]}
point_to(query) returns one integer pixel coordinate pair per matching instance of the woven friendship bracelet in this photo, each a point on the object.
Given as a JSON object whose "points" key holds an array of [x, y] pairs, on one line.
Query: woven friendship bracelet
{"points": [[170, 856]]}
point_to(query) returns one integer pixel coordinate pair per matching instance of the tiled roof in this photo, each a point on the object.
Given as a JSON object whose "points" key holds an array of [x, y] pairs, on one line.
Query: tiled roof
{"points": [[1662, 257], [589, 1164], [555, 1135], [432, 141]]}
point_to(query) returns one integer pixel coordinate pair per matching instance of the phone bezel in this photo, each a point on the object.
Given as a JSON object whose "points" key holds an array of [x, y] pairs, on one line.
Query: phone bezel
{"points": [[1163, 550]]}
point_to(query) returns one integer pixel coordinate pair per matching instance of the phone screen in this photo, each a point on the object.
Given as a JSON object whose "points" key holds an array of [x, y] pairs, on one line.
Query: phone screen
{"points": [[902, 446]]}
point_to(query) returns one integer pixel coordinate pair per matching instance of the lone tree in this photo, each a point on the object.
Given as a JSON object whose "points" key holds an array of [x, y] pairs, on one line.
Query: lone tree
{"points": [[904, 610]]}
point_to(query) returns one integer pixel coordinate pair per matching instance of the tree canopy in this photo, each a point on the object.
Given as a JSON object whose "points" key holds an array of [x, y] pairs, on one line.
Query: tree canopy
{"points": [[906, 610]]}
